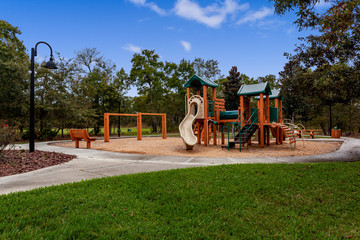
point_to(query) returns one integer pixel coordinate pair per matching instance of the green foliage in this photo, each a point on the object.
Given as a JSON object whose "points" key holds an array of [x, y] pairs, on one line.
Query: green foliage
{"points": [[245, 201], [14, 64], [328, 63], [8, 135], [231, 87]]}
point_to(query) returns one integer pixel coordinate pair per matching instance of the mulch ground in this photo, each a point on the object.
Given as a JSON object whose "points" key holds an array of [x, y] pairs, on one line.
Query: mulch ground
{"points": [[21, 161]]}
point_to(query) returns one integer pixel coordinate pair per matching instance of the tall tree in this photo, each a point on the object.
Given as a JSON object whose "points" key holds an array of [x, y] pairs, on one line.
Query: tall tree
{"points": [[147, 74], [271, 79], [14, 63], [231, 87], [208, 69]]}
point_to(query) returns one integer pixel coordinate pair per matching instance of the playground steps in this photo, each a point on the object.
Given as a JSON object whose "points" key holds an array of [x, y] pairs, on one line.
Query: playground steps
{"points": [[290, 134], [243, 136]]}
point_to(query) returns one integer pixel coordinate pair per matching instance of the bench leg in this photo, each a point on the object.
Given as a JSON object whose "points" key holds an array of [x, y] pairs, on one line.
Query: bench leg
{"points": [[88, 144], [77, 143]]}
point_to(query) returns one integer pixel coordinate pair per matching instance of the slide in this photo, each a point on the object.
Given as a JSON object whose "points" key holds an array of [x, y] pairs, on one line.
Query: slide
{"points": [[195, 110]]}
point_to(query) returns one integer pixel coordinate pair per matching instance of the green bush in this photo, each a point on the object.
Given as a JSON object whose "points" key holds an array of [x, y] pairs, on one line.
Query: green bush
{"points": [[47, 134]]}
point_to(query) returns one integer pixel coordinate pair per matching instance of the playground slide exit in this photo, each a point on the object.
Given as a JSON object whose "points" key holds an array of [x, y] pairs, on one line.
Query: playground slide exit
{"points": [[195, 110]]}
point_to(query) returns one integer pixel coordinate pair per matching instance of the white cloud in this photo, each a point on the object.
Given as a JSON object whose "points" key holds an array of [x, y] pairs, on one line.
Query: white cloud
{"points": [[323, 4], [186, 45], [150, 5], [211, 15], [132, 48], [257, 15]]}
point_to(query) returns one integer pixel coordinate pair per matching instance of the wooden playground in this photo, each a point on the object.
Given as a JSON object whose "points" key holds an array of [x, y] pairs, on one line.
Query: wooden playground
{"points": [[211, 118], [208, 124]]}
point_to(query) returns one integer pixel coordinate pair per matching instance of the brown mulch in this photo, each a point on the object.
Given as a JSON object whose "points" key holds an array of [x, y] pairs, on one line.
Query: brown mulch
{"points": [[21, 161]]}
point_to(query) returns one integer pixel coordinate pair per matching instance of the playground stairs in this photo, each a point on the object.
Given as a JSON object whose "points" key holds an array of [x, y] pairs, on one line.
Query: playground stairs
{"points": [[243, 136], [290, 134]]}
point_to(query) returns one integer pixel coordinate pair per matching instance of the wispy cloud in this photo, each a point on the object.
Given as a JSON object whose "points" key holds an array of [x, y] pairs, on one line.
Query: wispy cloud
{"points": [[151, 5], [323, 4], [186, 45], [254, 16], [212, 15], [132, 48]]}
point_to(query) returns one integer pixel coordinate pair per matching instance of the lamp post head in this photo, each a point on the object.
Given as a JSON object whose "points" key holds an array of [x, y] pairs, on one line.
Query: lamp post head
{"points": [[51, 63]]}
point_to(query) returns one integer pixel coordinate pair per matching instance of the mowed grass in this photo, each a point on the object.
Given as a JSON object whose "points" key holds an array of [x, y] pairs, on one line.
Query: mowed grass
{"points": [[259, 201]]}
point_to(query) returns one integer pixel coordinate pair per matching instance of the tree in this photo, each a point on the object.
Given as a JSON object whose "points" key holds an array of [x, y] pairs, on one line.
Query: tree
{"points": [[271, 79], [177, 75], [208, 69], [147, 74], [333, 54], [231, 87], [14, 63]]}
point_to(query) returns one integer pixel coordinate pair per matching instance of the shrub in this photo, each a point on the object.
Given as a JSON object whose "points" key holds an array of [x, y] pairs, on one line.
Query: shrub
{"points": [[47, 134], [8, 135]]}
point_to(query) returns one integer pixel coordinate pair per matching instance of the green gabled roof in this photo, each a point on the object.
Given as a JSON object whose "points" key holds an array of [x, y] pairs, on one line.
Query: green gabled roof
{"points": [[275, 94], [196, 82], [254, 89]]}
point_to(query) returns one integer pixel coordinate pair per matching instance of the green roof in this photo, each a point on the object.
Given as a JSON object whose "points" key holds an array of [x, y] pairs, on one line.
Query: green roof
{"points": [[197, 82], [254, 89], [275, 94]]}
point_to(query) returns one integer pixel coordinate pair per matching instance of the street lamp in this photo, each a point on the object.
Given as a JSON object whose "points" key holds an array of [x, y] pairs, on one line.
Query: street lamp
{"points": [[50, 65]]}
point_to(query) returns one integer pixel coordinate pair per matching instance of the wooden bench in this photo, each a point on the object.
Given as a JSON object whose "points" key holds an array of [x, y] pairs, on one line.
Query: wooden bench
{"points": [[79, 134], [312, 132]]}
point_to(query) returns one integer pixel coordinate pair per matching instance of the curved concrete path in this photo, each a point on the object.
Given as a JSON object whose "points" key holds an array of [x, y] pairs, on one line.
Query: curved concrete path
{"points": [[96, 164]]}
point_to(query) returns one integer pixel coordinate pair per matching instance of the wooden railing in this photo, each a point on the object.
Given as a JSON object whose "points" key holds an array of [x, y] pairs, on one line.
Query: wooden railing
{"points": [[219, 106]]}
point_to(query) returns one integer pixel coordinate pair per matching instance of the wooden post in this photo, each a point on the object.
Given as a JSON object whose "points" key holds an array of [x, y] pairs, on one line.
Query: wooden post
{"points": [[163, 118], [187, 95], [198, 92], [277, 134], [281, 113], [267, 118], [281, 135], [222, 134], [139, 127], [261, 119], [277, 109], [242, 108], [268, 135], [106, 128], [205, 115]]}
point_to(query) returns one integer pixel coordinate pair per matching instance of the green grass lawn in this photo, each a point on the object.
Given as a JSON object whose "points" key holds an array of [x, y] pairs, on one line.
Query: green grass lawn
{"points": [[255, 201]]}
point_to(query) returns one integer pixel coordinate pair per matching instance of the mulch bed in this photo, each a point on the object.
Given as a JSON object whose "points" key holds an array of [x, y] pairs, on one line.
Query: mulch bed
{"points": [[21, 161]]}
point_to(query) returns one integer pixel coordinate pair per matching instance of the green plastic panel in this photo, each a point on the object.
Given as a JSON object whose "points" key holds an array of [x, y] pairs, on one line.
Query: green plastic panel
{"points": [[273, 114], [254, 116], [211, 108], [232, 114]]}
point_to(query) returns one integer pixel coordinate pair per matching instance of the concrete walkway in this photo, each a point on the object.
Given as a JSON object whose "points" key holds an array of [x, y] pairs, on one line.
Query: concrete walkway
{"points": [[96, 164]]}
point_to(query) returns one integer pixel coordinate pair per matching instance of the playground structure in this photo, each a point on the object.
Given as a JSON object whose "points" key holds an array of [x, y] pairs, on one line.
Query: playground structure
{"points": [[211, 115], [139, 123]]}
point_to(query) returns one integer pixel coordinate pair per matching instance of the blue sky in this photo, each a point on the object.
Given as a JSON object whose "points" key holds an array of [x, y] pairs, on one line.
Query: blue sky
{"points": [[246, 34]]}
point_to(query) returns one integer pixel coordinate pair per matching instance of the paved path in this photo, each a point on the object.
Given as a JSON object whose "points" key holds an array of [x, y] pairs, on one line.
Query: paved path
{"points": [[96, 164]]}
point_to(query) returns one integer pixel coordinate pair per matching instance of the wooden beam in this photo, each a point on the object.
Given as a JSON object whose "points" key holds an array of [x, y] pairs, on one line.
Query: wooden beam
{"points": [[106, 128], [139, 127], [267, 117], [205, 115], [261, 119], [242, 108], [281, 112]]}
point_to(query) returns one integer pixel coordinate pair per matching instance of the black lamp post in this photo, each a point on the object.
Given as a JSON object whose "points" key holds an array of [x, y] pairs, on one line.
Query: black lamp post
{"points": [[51, 65]]}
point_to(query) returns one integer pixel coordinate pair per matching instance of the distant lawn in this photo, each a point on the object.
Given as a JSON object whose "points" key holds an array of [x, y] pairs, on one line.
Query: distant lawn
{"points": [[258, 201]]}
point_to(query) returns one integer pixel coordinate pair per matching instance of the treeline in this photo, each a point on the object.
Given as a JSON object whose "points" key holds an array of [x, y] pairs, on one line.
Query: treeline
{"points": [[320, 82]]}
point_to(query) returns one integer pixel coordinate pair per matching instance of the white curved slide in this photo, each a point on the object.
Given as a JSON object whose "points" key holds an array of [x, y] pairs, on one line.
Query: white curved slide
{"points": [[195, 110]]}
